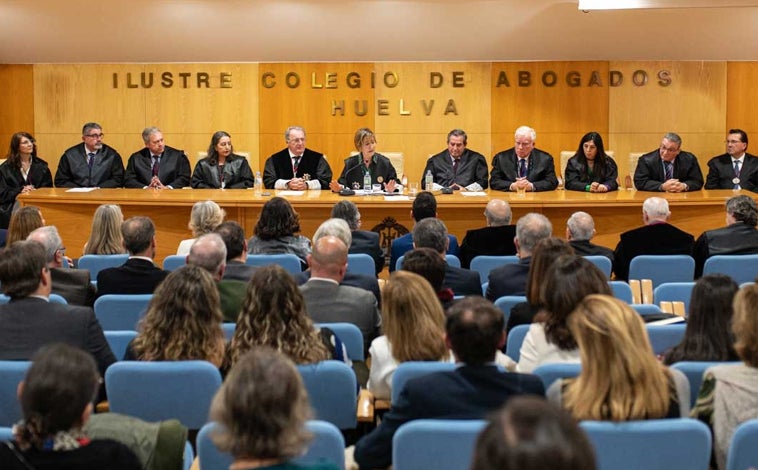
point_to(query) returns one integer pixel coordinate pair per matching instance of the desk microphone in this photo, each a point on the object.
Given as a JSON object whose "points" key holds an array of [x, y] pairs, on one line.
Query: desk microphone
{"points": [[346, 191]]}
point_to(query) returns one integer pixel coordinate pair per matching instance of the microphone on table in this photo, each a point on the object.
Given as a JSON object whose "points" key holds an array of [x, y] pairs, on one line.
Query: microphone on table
{"points": [[347, 191]]}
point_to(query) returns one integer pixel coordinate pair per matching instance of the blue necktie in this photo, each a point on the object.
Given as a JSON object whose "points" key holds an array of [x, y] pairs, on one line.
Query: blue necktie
{"points": [[90, 160], [669, 170], [737, 174], [522, 168]]}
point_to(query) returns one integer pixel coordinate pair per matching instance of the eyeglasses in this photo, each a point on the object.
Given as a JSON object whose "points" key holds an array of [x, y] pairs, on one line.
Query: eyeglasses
{"points": [[95, 136], [62, 250], [732, 141], [298, 140]]}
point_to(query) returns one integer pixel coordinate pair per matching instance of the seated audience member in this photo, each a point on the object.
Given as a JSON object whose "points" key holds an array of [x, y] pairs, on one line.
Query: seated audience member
{"points": [[23, 222], [414, 330], [276, 232], [736, 169], [496, 239], [326, 301], [233, 235], [739, 237], [222, 168], [22, 172], [523, 166], [458, 167], [656, 237], [3, 235], [428, 264], [139, 275], [367, 161], [531, 434], [204, 218], [591, 169], [621, 379], [580, 229], [296, 167], [364, 241], [510, 279], [727, 396], [72, 284], [424, 206], [474, 332], [183, 321], [708, 336], [29, 321], [91, 164], [157, 166], [668, 168], [432, 233], [105, 237], [262, 408], [56, 401], [568, 281]]}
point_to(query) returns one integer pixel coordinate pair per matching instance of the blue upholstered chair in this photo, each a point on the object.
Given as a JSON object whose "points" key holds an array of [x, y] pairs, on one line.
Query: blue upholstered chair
{"points": [[228, 328], [665, 337], [452, 260], [674, 292], [332, 389], [662, 268], [621, 291], [646, 309], [361, 263], [118, 340], [96, 263], [506, 303], [174, 262], [602, 262], [289, 262], [6, 434], [121, 311], [435, 443], [694, 371], [515, 340], [551, 372], [11, 373], [743, 453], [483, 264], [351, 337], [741, 268]]}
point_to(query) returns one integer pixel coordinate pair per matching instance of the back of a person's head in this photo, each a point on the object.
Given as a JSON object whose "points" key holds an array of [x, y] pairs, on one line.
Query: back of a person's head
{"points": [[233, 235], [208, 252], [262, 407], [498, 213], [474, 330], [329, 253], [656, 208], [430, 233], [49, 238], [545, 253], [278, 219], [743, 209], [348, 212], [21, 265], [138, 233], [581, 226], [335, 227], [105, 237], [23, 221], [425, 205], [428, 264], [532, 228], [205, 216], [529, 433], [745, 324]]}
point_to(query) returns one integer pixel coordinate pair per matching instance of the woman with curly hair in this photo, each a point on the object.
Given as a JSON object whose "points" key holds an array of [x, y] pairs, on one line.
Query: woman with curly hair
{"points": [[23, 171], [23, 222], [183, 321], [105, 237], [276, 232], [205, 217]]}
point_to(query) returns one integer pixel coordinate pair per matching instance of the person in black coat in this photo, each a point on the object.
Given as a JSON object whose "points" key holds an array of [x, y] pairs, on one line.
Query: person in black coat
{"points": [[22, 171], [668, 168], [523, 166], [222, 168], [591, 169], [580, 228], [91, 164], [736, 169], [296, 167], [157, 166], [368, 161], [363, 241], [496, 239], [457, 167]]}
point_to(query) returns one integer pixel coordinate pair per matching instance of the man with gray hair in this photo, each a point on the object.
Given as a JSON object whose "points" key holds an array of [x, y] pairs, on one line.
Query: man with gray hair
{"points": [[523, 167], [739, 237], [296, 167], [510, 279], [364, 241], [72, 284], [157, 166], [458, 167], [209, 253], [91, 164], [580, 228], [668, 168], [656, 237], [496, 239]]}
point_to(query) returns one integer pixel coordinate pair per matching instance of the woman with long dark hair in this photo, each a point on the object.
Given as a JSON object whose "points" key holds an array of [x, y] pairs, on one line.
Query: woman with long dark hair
{"points": [[23, 171], [591, 169], [222, 168]]}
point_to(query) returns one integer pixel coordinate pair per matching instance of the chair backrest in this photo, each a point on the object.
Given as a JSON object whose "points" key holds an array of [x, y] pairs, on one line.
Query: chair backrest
{"points": [[290, 262], [621, 291], [452, 260], [515, 339], [483, 264], [567, 154], [441, 444], [671, 444], [662, 268], [96, 263], [327, 445], [674, 292], [121, 311], [646, 309], [156, 391], [6, 434], [396, 158], [11, 373], [4, 299], [412, 369], [634, 159], [506, 303], [694, 371], [361, 263], [118, 340], [332, 390], [743, 453], [174, 262], [551, 372], [351, 337], [741, 268], [228, 328], [602, 262], [665, 337]]}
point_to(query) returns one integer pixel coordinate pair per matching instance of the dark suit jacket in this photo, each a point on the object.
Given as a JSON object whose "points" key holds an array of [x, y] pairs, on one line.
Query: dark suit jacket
{"points": [[509, 279], [279, 167], [654, 239], [136, 276], [381, 170], [401, 245], [468, 392], [462, 281], [649, 174], [490, 241], [73, 285], [540, 170], [174, 169], [237, 174], [73, 171], [12, 182], [577, 176], [237, 271], [472, 168], [736, 239], [721, 173], [362, 281], [367, 242]]}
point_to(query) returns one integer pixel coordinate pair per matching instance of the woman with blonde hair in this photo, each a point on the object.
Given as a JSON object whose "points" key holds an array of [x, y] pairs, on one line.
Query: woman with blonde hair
{"points": [[205, 217], [23, 222], [183, 320], [621, 379], [414, 330], [105, 237]]}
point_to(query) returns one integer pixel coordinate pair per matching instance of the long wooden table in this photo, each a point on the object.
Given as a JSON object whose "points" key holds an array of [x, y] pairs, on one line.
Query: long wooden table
{"points": [[613, 212]]}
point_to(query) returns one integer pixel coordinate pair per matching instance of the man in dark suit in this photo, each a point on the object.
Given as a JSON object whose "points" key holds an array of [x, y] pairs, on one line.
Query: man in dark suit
{"points": [[72, 284], [474, 332], [363, 241], [139, 275], [656, 237], [496, 239], [233, 236], [91, 164], [296, 167], [432, 233], [580, 228], [157, 166], [668, 168], [510, 279], [736, 169], [457, 167], [523, 167], [30, 321]]}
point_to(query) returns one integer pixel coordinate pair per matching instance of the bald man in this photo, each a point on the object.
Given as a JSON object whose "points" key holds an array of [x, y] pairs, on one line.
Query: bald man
{"points": [[209, 252], [496, 239]]}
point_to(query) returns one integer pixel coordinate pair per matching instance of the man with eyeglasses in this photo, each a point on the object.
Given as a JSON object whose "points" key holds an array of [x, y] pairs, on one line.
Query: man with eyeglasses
{"points": [[523, 167], [668, 168], [157, 166], [91, 164], [736, 169], [296, 167]]}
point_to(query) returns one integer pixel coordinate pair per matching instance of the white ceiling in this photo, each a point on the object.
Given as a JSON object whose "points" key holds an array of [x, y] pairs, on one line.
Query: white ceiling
{"points": [[110, 31]]}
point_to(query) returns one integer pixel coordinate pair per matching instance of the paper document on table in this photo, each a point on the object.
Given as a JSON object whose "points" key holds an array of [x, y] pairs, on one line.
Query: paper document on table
{"points": [[290, 193], [473, 193], [397, 198], [80, 190]]}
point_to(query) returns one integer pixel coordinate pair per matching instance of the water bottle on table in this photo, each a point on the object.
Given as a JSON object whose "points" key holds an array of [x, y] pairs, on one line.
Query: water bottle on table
{"points": [[428, 180], [367, 182]]}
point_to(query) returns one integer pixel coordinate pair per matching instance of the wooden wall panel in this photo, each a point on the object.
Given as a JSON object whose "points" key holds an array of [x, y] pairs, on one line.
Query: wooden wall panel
{"points": [[17, 97], [743, 96]]}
